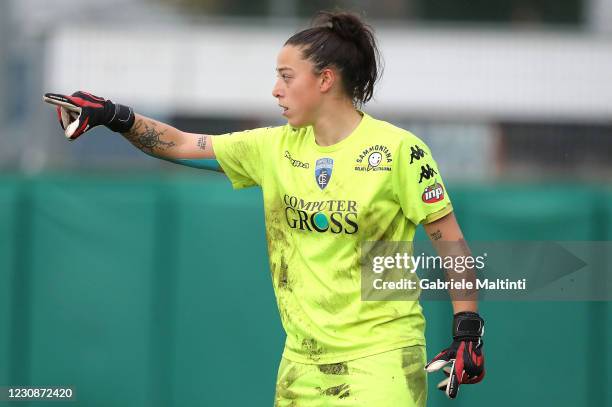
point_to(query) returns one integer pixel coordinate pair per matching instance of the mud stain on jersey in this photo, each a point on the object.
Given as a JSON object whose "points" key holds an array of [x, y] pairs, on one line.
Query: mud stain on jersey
{"points": [[284, 314], [334, 368], [275, 235], [335, 303], [283, 278], [377, 226], [345, 274], [369, 222], [312, 349], [341, 391], [389, 233], [282, 387], [413, 363], [277, 240]]}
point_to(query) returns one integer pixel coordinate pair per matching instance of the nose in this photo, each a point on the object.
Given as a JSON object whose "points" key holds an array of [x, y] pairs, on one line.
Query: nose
{"points": [[276, 90]]}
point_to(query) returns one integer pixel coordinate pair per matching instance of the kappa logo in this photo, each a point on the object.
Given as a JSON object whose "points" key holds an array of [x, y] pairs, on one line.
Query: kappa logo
{"points": [[294, 162], [433, 193], [378, 159], [323, 171], [426, 172], [416, 153]]}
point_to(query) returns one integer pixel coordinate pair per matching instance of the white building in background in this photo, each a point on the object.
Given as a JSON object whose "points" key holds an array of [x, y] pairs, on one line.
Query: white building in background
{"points": [[228, 70], [458, 82]]}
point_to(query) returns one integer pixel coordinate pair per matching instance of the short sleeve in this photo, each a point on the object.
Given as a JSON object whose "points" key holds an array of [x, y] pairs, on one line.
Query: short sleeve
{"points": [[240, 155], [417, 183]]}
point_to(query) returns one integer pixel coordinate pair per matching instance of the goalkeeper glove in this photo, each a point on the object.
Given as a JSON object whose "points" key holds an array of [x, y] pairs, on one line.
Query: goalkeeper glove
{"points": [[83, 111], [465, 354]]}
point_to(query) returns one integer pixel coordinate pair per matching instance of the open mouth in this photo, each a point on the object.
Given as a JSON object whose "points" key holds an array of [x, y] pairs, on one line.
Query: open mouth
{"points": [[284, 108]]}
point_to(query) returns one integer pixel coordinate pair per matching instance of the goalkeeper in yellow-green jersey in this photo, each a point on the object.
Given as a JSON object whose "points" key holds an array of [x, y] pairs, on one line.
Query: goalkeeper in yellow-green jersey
{"points": [[332, 178]]}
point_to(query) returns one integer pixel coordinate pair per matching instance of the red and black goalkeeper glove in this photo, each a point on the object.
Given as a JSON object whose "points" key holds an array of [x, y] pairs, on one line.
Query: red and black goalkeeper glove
{"points": [[464, 355], [83, 111]]}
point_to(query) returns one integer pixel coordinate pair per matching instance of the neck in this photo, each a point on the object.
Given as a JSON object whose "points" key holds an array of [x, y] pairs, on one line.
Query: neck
{"points": [[333, 127]]}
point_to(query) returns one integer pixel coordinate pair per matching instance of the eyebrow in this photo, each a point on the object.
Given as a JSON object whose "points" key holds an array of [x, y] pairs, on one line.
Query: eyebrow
{"points": [[283, 68]]}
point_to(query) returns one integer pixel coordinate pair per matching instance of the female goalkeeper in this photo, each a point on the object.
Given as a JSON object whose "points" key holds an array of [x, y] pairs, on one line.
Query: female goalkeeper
{"points": [[332, 178]]}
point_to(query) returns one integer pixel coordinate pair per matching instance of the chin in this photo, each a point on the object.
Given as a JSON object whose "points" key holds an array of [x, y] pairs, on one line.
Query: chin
{"points": [[297, 123]]}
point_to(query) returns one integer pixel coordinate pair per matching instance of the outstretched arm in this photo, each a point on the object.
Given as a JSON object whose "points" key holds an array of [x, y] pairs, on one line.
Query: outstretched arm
{"points": [[166, 142], [83, 111]]}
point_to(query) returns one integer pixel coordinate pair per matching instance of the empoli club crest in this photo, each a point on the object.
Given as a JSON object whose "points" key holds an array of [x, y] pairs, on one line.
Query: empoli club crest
{"points": [[323, 171]]}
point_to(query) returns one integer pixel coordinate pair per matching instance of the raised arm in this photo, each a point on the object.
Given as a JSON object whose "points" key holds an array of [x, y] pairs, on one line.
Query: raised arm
{"points": [[82, 111]]}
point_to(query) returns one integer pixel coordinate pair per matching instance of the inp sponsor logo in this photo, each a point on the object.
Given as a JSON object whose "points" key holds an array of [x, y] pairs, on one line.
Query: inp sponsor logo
{"points": [[433, 193]]}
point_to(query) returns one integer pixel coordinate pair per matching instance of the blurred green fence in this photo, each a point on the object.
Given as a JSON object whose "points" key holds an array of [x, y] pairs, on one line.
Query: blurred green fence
{"points": [[154, 291]]}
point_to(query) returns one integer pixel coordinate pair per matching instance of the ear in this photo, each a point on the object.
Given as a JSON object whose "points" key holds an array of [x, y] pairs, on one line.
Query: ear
{"points": [[327, 79]]}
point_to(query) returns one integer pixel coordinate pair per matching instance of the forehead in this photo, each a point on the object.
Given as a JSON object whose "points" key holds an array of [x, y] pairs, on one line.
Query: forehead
{"points": [[290, 57]]}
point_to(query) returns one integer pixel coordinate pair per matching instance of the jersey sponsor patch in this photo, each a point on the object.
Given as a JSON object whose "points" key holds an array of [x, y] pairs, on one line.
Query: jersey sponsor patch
{"points": [[323, 171], [433, 193], [332, 215], [374, 158]]}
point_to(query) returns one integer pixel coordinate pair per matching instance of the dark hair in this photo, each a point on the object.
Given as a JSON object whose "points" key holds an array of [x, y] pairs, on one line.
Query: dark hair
{"points": [[343, 40]]}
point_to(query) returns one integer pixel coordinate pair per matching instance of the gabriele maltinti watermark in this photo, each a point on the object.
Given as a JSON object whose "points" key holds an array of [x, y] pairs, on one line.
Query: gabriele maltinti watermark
{"points": [[501, 270]]}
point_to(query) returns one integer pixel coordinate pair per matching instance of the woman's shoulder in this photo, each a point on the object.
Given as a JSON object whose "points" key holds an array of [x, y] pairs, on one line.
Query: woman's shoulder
{"points": [[282, 131], [389, 132]]}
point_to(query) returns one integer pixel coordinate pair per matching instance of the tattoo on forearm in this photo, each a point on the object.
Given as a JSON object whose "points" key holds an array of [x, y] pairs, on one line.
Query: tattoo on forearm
{"points": [[146, 137], [437, 235], [202, 142]]}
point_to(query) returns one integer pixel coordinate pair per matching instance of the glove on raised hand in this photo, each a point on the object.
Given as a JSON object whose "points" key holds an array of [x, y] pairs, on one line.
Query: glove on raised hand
{"points": [[82, 111]]}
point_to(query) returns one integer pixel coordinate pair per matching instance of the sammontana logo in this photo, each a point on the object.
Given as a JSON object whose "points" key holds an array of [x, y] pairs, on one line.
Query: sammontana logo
{"points": [[374, 158], [433, 193]]}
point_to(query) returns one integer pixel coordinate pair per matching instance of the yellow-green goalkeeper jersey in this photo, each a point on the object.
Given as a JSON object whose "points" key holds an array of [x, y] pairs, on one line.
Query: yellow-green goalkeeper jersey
{"points": [[320, 203]]}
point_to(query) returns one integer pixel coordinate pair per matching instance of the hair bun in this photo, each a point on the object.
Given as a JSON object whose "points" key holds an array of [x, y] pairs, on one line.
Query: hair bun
{"points": [[342, 40], [346, 25]]}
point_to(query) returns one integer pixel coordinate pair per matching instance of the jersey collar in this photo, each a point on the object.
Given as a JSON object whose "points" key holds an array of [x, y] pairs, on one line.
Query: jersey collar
{"points": [[345, 141]]}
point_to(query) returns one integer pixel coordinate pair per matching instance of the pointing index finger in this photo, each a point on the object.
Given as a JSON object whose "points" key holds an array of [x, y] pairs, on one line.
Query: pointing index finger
{"points": [[60, 100]]}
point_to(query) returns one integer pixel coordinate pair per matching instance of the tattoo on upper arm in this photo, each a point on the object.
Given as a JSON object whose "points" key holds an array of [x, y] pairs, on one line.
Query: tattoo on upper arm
{"points": [[146, 137], [437, 235], [202, 142]]}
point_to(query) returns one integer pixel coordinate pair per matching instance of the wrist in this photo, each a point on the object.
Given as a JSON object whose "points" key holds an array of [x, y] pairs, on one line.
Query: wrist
{"points": [[119, 118], [467, 325]]}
